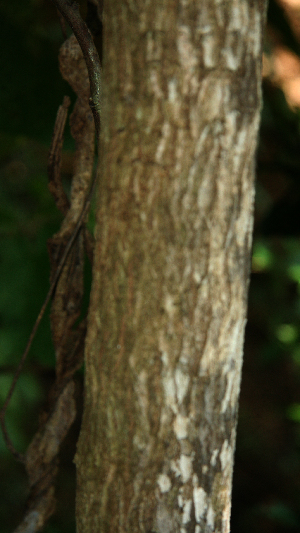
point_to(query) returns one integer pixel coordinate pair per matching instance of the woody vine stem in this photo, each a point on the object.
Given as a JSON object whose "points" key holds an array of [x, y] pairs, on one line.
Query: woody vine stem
{"points": [[70, 11]]}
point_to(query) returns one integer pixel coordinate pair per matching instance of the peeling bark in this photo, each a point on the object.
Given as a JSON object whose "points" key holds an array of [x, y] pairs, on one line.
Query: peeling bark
{"points": [[174, 229]]}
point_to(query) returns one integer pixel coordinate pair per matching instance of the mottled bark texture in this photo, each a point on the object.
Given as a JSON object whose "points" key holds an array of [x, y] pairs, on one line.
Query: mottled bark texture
{"points": [[174, 223]]}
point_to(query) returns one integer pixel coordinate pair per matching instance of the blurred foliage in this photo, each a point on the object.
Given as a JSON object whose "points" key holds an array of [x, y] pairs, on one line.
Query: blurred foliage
{"points": [[266, 483], [278, 21], [266, 488]]}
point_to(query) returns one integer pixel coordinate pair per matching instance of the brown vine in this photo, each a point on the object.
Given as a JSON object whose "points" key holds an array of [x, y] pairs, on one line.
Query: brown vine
{"points": [[66, 251]]}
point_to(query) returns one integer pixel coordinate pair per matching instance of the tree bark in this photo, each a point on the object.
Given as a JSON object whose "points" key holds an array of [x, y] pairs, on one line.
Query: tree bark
{"points": [[182, 96]]}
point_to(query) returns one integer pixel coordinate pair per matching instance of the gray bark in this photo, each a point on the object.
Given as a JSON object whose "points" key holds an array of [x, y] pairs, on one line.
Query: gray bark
{"points": [[182, 96]]}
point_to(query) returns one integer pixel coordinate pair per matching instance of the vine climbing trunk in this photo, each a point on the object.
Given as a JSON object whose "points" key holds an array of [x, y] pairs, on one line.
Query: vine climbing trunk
{"points": [[163, 355]]}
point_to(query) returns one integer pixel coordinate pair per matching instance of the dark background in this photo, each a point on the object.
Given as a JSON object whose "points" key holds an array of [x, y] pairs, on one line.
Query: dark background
{"points": [[266, 485]]}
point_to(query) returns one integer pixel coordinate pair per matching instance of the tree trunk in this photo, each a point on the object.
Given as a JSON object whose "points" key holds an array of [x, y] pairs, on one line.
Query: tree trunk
{"points": [[182, 95]]}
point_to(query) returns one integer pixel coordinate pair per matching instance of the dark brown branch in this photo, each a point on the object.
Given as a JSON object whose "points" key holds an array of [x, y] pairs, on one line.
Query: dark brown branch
{"points": [[70, 10], [66, 251], [81, 219]]}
